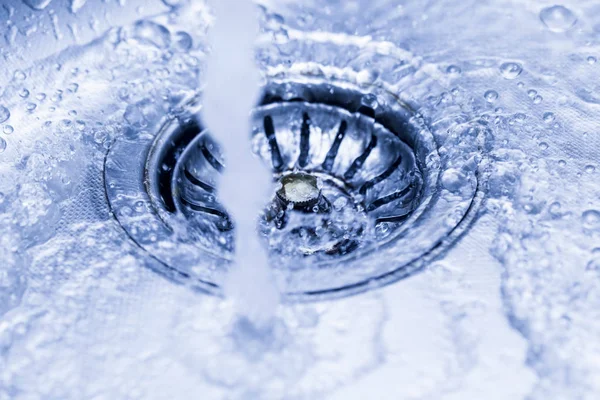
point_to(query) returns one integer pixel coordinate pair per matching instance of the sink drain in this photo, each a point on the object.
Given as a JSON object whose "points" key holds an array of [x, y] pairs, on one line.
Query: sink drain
{"points": [[357, 197], [340, 175]]}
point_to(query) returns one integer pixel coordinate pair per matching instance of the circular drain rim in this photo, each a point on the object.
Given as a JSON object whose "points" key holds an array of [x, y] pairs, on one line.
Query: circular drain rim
{"points": [[210, 261]]}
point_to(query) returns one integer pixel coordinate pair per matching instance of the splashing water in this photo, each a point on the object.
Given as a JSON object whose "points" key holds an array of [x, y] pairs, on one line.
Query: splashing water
{"points": [[230, 95]]}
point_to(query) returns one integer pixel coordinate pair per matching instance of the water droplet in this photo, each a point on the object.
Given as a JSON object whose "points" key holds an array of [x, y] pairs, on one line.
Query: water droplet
{"points": [[4, 114], [591, 60], [590, 169], [532, 93], [139, 206], [591, 220], [562, 163], [366, 77], [134, 116], [340, 203], [2, 145], [453, 70], [491, 96], [456, 181], [19, 75], [37, 4], [537, 99], [588, 95], [183, 41], [100, 136], [558, 18], [8, 129], [555, 209], [76, 5], [31, 106], [543, 146], [510, 70], [520, 85], [382, 228], [593, 264], [152, 33], [370, 100], [548, 117]]}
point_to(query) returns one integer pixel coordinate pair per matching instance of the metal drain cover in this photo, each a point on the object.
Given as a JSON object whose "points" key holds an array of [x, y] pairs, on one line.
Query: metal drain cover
{"points": [[357, 198]]}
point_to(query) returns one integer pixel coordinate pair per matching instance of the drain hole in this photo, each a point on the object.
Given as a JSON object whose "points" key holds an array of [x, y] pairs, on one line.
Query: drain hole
{"points": [[212, 160], [356, 196], [195, 181], [388, 172], [275, 154], [304, 141], [337, 172], [358, 163], [335, 147], [392, 197]]}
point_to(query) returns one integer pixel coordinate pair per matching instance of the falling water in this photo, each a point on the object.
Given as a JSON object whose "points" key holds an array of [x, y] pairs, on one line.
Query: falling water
{"points": [[230, 94]]}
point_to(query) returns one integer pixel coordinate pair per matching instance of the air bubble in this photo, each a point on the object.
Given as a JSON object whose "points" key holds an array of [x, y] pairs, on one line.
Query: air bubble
{"points": [[19, 75], [453, 70], [76, 5], [37, 4], [558, 18], [366, 77], [455, 181], [548, 117], [491, 96], [151, 33], [555, 209], [593, 265], [183, 41], [520, 117], [4, 114], [510, 70], [8, 129], [134, 116], [340, 203], [370, 100], [591, 220]]}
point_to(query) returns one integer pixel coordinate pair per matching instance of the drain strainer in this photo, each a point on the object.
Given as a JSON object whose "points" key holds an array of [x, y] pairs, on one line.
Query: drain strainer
{"points": [[359, 196]]}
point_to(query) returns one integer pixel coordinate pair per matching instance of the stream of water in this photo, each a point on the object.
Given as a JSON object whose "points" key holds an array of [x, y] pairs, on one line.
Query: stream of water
{"points": [[230, 95]]}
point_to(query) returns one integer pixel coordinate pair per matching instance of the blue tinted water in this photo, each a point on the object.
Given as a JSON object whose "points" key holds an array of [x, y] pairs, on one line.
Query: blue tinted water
{"points": [[511, 311]]}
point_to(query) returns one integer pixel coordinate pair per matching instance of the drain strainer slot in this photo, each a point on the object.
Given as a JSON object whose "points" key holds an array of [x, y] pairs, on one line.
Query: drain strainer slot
{"points": [[357, 197]]}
